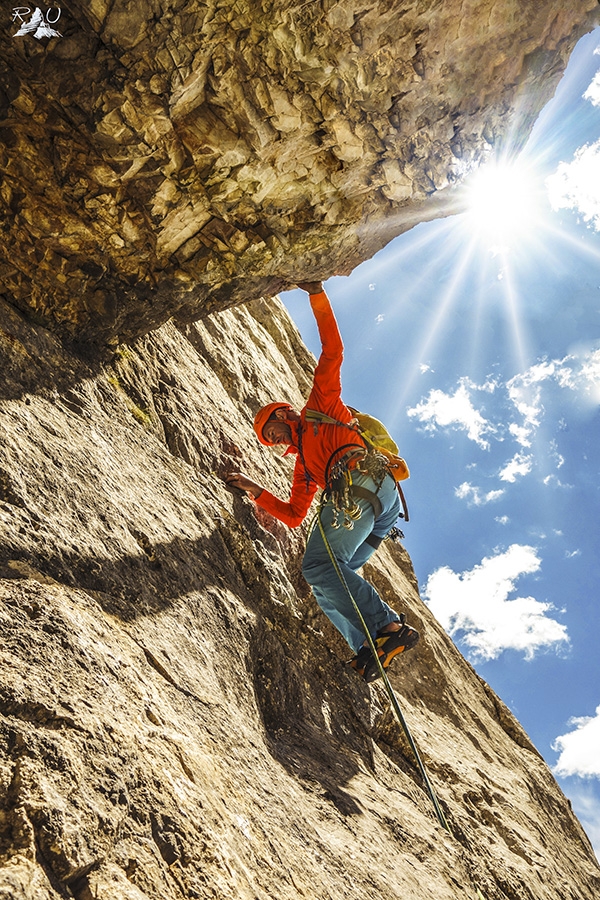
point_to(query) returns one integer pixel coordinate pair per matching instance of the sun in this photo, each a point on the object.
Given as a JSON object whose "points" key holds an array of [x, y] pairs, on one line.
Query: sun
{"points": [[501, 202]]}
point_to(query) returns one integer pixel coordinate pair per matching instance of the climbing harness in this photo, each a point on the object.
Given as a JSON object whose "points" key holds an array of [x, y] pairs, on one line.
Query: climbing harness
{"points": [[338, 479], [342, 492]]}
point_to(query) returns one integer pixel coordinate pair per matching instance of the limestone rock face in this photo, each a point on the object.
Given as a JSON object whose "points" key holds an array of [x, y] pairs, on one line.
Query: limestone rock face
{"points": [[176, 720], [176, 158]]}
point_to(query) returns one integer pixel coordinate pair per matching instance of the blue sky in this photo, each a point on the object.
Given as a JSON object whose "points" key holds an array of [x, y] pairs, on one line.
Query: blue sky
{"points": [[477, 340]]}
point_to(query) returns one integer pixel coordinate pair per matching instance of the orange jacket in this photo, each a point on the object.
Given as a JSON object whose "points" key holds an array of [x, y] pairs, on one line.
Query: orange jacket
{"points": [[315, 444]]}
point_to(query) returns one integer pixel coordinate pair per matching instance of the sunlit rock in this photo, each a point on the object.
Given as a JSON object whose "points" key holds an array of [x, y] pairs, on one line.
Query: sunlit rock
{"points": [[176, 719]]}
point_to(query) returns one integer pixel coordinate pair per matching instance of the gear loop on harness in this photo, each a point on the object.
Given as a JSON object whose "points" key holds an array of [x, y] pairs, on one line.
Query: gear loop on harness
{"points": [[342, 493]]}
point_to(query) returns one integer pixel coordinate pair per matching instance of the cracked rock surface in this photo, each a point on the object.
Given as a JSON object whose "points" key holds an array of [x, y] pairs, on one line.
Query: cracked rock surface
{"points": [[177, 158], [176, 720]]}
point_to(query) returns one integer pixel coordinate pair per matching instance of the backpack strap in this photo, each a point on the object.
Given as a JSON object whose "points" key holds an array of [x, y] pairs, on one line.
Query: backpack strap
{"points": [[315, 415], [365, 494], [404, 514], [321, 418]]}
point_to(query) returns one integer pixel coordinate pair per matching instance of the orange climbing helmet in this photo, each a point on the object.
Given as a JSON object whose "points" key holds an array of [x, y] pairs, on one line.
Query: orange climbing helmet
{"points": [[262, 417]]}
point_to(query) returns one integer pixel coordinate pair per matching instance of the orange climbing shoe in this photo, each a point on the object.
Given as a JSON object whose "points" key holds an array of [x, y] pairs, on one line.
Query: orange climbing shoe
{"points": [[361, 660], [388, 645]]}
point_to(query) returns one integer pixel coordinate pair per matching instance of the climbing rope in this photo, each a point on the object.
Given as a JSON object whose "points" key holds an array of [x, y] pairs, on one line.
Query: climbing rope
{"points": [[390, 691]]}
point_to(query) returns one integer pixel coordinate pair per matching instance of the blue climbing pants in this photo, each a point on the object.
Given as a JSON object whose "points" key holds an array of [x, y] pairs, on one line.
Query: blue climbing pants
{"points": [[351, 551]]}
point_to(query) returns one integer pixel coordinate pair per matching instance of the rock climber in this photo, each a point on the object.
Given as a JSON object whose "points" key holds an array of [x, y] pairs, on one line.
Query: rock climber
{"points": [[359, 491]]}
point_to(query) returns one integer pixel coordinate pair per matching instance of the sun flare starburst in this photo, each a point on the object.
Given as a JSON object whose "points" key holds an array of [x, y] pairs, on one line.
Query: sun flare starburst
{"points": [[502, 203]]}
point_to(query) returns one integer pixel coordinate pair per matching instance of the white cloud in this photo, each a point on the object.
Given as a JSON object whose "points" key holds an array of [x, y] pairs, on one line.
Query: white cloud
{"points": [[520, 464], [379, 319], [528, 394], [444, 410], [537, 373], [502, 520], [521, 434], [555, 481], [524, 391], [578, 372], [474, 605], [576, 185], [593, 92], [473, 495], [425, 368], [581, 372], [558, 458], [586, 380], [580, 749], [569, 554]]}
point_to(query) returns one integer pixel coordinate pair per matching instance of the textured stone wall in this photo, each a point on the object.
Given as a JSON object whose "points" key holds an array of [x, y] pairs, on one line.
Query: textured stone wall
{"points": [[176, 721], [175, 717], [161, 158]]}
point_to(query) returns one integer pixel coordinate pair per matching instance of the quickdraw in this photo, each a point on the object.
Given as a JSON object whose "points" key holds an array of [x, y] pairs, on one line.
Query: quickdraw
{"points": [[339, 490], [341, 493]]}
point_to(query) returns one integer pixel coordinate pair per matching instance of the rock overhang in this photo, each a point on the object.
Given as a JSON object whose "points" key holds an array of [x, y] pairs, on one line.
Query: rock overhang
{"points": [[173, 160]]}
